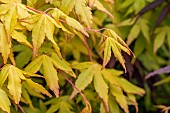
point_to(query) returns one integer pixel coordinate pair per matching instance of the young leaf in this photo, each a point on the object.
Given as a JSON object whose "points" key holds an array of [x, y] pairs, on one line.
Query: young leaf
{"points": [[38, 33], [113, 106], [120, 98], [4, 101], [4, 44], [84, 12], [10, 20], [37, 87], [129, 87], [84, 79], [9, 1], [20, 38], [61, 64], [107, 52], [14, 84], [35, 65], [100, 7], [50, 75], [159, 40], [67, 6], [101, 87]]}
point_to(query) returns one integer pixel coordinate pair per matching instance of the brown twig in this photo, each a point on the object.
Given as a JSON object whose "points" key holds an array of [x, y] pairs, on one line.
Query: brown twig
{"points": [[21, 108], [84, 98]]}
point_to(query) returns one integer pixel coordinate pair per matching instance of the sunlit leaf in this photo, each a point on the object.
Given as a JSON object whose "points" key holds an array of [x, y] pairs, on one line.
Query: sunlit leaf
{"points": [[4, 44], [50, 75], [84, 12], [4, 101], [35, 65], [37, 87], [67, 6], [20, 37], [120, 97], [101, 87], [84, 79]]}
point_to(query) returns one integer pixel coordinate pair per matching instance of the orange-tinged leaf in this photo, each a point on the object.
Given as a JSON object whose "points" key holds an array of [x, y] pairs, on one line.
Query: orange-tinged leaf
{"points": [[101, 87], [37, 87], [84, 79], [4, 101], [4, 45], [21, 38], [91, 3], [120, 98], [35, 65], [87, 109], [50, 75]]}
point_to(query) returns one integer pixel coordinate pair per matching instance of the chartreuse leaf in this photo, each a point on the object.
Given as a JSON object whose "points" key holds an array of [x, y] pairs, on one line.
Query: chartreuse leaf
{"points": [[67, 6], [57, 14], [129, 87], [35, 65], [31, 91], [4, 8], [165, 80], [100, 7], [37, 87], [61, 64], [120, 98], [84, 79], [21, 38], [9, 1], [114, 42], [14, 81], [4, 44], [84, 12], [81, 66], [101, 87], [4, 101], [113, 106], [50, 75], [107, 52], [10, 20]]}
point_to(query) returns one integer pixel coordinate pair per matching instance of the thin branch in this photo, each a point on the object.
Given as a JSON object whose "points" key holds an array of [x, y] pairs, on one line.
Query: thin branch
{"points": [[88, 49], [84, 98], [21, 108]]}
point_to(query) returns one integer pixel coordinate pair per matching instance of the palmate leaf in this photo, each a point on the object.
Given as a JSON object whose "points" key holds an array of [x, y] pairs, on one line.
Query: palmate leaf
{"points": [[101, 87], [50, 66], [84, 12], [114, 42], [14, 81], [21, 38], [37, 87], [120, 97], [4, 101], [84, 79], [57, 14], [4, 44], [9, 1], [50, 75], [67, 6]]}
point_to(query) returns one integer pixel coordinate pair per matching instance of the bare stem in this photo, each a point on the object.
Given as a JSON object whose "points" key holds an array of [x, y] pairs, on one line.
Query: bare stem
{"points": [[21, 109], [84, 98], [88, 49]]}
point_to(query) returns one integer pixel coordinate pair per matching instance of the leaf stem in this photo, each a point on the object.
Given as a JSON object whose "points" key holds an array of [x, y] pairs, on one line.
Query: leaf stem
{"points": [[84, 98], [88, 49], [21, 108]]}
